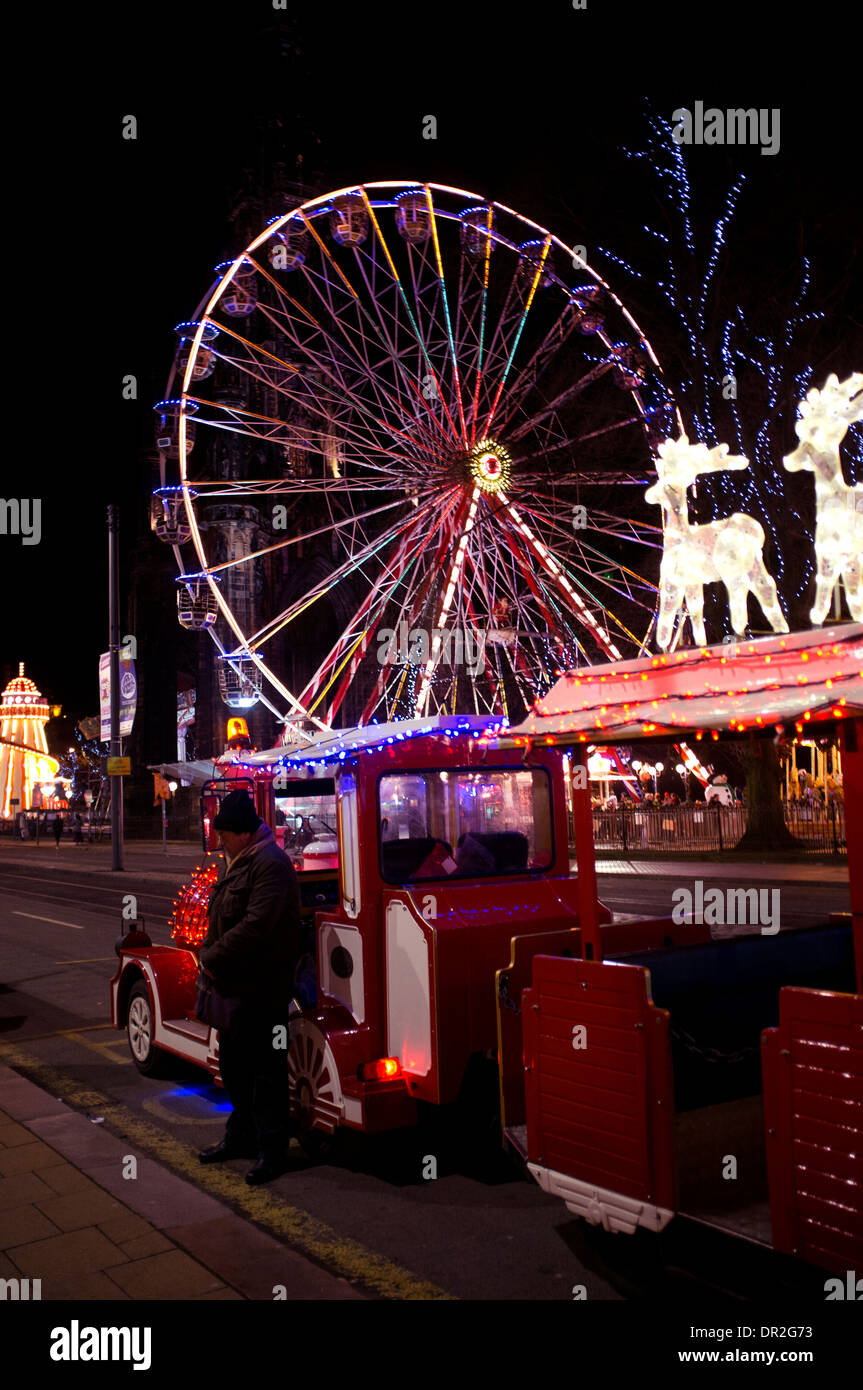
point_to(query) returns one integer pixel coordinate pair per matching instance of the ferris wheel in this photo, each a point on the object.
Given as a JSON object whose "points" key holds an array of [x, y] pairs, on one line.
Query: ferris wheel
{"points": [[408, 426]]}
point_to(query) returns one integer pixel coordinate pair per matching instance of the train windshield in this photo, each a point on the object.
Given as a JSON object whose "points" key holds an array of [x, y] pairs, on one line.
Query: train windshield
{"points": [[463, 823], [306, 819]]}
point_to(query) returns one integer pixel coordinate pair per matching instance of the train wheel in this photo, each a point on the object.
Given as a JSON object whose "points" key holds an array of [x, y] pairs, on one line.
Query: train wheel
{"points": [[316, 1094], [149, 1059]]}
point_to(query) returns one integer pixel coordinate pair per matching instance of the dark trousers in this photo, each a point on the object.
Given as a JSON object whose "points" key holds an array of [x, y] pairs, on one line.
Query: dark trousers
{"points": [[255, 1075]]}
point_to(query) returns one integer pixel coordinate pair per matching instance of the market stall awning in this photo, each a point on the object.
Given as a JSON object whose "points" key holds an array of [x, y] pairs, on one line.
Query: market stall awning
{"points": [[800, 678], [194, 773]]}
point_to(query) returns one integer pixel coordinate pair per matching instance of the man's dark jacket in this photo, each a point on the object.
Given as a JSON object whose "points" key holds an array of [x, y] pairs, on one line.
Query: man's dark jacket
{"points": [[252, 941]]}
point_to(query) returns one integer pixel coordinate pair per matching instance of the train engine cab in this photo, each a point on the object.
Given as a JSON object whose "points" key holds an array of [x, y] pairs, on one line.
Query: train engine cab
{"points": [[450, 845]]}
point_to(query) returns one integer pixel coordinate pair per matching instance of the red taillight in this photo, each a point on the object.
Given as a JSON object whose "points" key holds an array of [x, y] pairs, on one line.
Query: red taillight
{"points": [[383, 1070]]}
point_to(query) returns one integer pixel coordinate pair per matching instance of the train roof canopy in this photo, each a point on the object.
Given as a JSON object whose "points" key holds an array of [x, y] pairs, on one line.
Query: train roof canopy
{"points": [[800, 678]]}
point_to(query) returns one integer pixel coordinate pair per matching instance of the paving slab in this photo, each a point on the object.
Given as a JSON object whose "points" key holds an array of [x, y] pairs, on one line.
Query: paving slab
{"points": [[158, 1195], [65, 1178], [172, 1275], [23, 1189], [27, 1158], [124, 1226], [257, 1262], [79, 1209], [81, 1288], [84, 1251], [151, 1244], [13, 1134], [22, 1225], [21, 1100], [79, 1140]]}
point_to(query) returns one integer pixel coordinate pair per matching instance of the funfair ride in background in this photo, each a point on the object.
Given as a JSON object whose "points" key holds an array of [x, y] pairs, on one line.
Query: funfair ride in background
{"points": [[460, 404]]}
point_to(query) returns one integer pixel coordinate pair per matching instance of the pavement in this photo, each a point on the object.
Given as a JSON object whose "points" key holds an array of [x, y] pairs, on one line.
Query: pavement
{"points": [[93, 1218], [71, 1214], [144, 858], [147, 860], [759, 871]]}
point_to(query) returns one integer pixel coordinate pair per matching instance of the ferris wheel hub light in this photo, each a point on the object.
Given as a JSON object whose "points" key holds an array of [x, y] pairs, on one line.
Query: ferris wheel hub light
{"points": [[490, 465]]}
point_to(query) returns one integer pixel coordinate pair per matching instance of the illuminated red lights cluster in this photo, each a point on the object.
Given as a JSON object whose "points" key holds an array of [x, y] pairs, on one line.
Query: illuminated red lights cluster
{"points": [[188, 921]]}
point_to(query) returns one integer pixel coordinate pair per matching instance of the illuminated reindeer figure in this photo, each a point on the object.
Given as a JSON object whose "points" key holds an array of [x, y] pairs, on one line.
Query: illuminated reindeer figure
{"points": [[728, 549], [824, 419]]}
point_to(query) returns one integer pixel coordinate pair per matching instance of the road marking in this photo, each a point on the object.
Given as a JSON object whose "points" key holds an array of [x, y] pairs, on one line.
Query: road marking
{"points": [[68, 883], [100, 1047], [58, 1033], [55, 920], [307, 1234], [85, 960]]}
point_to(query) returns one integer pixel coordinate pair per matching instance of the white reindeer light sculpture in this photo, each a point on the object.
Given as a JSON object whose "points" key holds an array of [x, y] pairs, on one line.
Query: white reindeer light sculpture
{"points": [[728, 549], [824, 419]]}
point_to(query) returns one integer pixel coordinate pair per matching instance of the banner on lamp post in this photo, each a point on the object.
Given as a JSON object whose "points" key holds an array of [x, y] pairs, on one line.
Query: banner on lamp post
{"points": [[128, 695]]}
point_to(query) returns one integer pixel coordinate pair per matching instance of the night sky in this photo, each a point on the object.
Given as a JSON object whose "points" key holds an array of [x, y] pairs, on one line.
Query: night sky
{"points": [[533, 104]]}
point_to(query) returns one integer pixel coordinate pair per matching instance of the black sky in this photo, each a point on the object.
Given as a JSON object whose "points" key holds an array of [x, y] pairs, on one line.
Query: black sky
{"points": [[533, 104]]}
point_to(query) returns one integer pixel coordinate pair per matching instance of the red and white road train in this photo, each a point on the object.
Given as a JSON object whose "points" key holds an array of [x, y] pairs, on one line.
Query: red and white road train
{"points": [[636, 1056]]}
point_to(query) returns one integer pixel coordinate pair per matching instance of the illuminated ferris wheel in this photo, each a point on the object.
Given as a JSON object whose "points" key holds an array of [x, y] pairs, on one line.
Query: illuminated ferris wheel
{"points": [[452, 412]]}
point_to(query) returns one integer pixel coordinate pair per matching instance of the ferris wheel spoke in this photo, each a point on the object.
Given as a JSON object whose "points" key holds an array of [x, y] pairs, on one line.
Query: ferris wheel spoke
{"points": [[641, 532], [429, 422], [571, 573], [562, 399], [410, 388], [285, 433], [491, 655], [289, 487], [544, 608], [467, 513], [445, 301], [479, 333], [394, 573], [571, 442], [339, 399], [297, 540], [350, 566], [415, 322], [336, 396], [568, 320], [411, 610], [553, 570], [353, 644], [522, 321]]}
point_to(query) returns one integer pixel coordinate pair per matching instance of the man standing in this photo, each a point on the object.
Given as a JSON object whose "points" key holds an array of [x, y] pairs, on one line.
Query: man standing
{"points": [[249, 953]]}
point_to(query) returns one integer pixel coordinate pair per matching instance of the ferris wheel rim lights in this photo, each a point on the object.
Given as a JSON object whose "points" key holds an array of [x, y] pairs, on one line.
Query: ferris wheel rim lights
{"points": [[476, 210]]}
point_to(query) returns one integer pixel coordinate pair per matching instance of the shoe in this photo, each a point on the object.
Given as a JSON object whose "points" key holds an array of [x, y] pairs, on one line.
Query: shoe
{"points": [[220, 1152], [266, 1169]]}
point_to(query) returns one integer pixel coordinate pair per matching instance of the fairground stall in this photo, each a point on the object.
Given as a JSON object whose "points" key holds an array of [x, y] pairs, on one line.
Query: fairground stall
{"points": [[723, 1079]]}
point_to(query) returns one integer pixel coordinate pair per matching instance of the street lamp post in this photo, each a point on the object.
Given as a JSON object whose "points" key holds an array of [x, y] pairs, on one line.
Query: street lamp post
{"points": [[114, 650]]}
